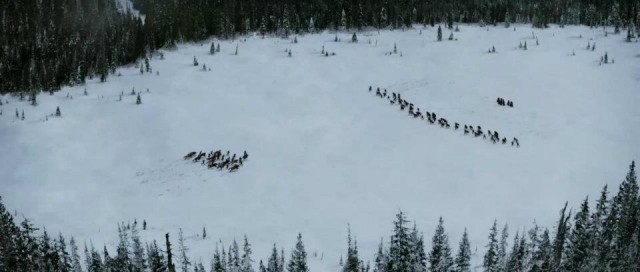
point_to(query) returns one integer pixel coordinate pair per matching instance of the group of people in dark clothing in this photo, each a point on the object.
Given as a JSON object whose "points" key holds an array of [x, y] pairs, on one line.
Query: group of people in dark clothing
{"points": [[501, 102], [432, 118], [217, 160]]}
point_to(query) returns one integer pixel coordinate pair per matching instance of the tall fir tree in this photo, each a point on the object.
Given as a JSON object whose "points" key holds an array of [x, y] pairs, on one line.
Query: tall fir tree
{"points": [[183, 259], [246, 261], [462, 261], [440, 259], [490, 262], [400, 246], [298, 261], [352, 261], [579, 242]]}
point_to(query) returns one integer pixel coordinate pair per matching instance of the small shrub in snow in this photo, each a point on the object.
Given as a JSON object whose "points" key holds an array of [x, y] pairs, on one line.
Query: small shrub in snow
{"points": [[138, 100]]}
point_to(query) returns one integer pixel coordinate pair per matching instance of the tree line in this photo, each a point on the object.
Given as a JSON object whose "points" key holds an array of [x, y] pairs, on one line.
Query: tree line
{"points": [[603, 238], [46, 44]]}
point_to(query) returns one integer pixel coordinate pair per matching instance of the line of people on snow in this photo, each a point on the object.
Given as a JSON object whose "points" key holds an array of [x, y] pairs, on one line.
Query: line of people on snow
{"points": [[501, 102], [432, 118], [227, 161]]}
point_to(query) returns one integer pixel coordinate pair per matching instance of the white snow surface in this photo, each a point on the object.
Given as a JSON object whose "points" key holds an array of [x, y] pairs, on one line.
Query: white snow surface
{"points": [[324, 152]]}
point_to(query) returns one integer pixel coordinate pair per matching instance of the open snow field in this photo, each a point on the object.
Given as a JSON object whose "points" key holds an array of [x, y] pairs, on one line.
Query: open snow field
{"points": [[324, 152]]}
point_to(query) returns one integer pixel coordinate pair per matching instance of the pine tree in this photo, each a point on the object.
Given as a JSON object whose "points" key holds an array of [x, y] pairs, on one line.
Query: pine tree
{"points": [[312, 26], [156, 259], [627, 203], [212, 50], [138, 261], [531, 246], [64, 260], [463, 259], [195, 61], [502, 248], [261, 267], [108, 262], [75, 257], [273, 264], [517, 256], [33, 99], [122, 260], [204, 233], [96, 262], [298, 262], [600, 242], [354, 38], [381, 261], [58, 113], [147, 65], [182, 250], [245, 263], [217, 263], [138, 100], [170, 266], [490, 262], [234, 257], [440, 259], [383, 19], [343, 21], [400, 247], [579, 241], [418, 255], [558, 246], [542, 256], [439, 34], [352, 263]]}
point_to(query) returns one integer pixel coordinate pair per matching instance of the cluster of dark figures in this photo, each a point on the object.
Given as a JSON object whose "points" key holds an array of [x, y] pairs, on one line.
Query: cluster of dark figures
{"points": [[476, 131], [215, 159], [501, 102]]}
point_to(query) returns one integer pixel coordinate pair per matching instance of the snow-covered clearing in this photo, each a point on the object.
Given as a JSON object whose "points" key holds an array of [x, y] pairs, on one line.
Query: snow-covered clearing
{"points": [[324, 152]]}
